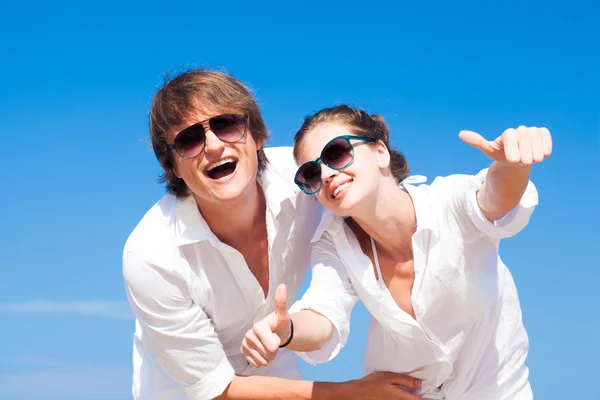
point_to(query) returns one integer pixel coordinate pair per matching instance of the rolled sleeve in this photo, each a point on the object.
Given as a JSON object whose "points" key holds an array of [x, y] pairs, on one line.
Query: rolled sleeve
{"points": [[330, 294], [512, 223], [176, 330]]}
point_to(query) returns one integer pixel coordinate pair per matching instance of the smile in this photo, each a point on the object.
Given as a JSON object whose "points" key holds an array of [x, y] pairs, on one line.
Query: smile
{"points": [[340, 188], [221, 168]]}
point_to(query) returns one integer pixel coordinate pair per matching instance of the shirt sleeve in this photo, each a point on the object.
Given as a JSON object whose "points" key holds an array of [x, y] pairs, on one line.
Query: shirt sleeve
{"points": [[178, 332], [331, 294], [463, 204]]}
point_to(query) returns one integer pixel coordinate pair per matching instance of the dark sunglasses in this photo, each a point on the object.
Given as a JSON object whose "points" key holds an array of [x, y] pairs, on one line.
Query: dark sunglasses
{"points": [[337, 154], [190, 142]]}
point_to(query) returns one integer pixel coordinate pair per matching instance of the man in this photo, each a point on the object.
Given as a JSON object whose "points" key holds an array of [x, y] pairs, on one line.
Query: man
{"points": [[202, 265]]}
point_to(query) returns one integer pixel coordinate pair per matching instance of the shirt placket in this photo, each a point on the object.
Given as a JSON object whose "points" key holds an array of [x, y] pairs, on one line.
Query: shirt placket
{"points": [[239, 267]]}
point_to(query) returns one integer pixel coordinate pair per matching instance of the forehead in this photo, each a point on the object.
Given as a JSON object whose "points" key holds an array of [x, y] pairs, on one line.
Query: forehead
{"points": [[318, 137]]}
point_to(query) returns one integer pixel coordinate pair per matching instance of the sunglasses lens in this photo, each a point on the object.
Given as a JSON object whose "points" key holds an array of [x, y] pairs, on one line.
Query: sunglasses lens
{"points": [[337, 154], [190, 141], [228, 127], [309, 177]]}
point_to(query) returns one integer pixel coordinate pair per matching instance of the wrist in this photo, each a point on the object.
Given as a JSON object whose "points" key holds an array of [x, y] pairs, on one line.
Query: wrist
{"points": [[334, 390], [289, 335]]}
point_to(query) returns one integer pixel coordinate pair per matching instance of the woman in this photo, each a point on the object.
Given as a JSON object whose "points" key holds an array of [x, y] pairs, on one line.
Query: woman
{"points": [[423, 259]]}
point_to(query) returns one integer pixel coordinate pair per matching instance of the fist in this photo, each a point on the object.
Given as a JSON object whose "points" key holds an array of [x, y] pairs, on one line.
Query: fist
{"points": [[522, 146], [262, 341]]}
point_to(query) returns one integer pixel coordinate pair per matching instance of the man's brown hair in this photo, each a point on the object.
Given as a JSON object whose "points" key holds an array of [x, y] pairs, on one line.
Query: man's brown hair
{"points": [[193, 91]]}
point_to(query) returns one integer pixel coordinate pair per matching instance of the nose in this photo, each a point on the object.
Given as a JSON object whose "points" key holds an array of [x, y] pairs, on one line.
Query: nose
{"points": [[327, 174], [212, 143]]}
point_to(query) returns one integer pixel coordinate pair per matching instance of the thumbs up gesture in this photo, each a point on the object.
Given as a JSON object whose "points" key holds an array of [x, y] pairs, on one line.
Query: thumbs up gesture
{"points": [[262, 341], [522, 146]]}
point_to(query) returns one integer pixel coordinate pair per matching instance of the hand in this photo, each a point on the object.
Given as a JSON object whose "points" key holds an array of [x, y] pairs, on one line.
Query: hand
{"points": [[261, 343], [384, 385], [522, 146]]}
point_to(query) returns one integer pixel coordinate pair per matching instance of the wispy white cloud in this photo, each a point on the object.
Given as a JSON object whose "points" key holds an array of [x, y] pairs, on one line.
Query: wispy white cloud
{"points": [[42, 378], [110, 309]]}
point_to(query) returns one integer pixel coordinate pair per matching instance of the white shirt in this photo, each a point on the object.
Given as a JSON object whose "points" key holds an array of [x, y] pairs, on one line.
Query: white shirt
{"points": [[468, 341], [194, 297]]}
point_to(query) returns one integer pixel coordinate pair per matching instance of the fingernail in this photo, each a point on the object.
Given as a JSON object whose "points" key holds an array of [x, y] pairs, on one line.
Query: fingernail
{"points": [[418, 383]]}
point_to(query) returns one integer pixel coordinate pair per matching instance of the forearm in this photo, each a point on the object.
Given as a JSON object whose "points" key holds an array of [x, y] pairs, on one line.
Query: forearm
{"points": [[311, 331], [502, 190], [267, 388]]}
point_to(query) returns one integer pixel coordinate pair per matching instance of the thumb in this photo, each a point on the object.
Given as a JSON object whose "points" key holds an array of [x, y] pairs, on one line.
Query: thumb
{"points": [[281, 301], [474, 139]]}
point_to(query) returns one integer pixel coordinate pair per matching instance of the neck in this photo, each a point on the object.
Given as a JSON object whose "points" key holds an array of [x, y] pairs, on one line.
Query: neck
{"points": [[237, 219], [392, 222]]}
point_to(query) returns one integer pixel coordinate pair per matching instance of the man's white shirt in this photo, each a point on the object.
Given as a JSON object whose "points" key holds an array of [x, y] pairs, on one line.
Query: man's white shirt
{"points": [[194, 297], [468, 341]]}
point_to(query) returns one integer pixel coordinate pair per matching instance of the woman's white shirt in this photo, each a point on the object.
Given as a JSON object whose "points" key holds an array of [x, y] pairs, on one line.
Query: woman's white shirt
{"points": [[468, 340]]}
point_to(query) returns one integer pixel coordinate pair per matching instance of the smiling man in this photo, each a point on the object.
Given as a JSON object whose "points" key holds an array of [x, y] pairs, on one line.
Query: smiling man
{"points": [[203, 264]]}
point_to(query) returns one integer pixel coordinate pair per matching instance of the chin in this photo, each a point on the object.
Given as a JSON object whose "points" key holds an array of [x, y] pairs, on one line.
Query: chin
{"points": [[343, 208]]}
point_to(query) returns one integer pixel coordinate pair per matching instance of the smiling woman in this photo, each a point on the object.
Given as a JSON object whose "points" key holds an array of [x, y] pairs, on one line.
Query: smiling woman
{"points": [[423, 259]]}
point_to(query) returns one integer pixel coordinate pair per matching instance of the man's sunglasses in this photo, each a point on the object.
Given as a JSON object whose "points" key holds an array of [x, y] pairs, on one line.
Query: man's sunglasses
{"points": [[337, 154], [190, 142]]}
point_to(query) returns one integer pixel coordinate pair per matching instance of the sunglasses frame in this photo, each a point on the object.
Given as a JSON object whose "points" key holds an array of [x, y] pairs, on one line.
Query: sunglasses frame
{"points": [[347, 138], [171, 146]]}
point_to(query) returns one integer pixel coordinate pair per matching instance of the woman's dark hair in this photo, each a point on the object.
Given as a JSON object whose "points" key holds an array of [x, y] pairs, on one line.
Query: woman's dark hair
{"points": [[361, 124]]}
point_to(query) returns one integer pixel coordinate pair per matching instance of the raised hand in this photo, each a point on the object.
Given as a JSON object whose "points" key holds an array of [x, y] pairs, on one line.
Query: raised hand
{"points": [[262, 341], [522, 146]]}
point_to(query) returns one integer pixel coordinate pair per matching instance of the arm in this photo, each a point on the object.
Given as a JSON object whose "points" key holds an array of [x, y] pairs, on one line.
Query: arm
{"points": [[379, 385], [177, 332], [513, 153]]}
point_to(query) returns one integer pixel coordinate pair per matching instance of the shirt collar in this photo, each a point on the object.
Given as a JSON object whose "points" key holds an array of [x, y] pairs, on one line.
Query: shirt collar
{"points": [[425, 218], [424, 214], [277, 190], [191, 227]]}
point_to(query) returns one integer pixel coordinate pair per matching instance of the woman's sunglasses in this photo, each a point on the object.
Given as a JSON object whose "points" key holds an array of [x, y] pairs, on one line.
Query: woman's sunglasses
{"points": [[337, 154], [190, 142]]}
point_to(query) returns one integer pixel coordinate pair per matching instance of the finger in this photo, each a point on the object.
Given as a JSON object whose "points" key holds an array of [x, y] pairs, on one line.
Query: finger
{"points": [[511, 146], [258, 359], [256, 344], [474, 139], [398, 379], [537, 150], [524, 139], [281, 301], [245, 350], [546, 142], [269, 340], [406, 381], [252, 350]]}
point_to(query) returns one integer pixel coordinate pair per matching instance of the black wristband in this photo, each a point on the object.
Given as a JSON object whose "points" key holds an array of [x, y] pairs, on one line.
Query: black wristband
{"points": [[291, 334]]}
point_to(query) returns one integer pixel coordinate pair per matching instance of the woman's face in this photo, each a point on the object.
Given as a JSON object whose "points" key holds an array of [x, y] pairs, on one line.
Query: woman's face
{"points": [[344, 191]]}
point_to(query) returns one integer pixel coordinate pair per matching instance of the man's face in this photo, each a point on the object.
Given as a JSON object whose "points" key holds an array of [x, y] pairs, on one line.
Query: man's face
{"points": [[222, 172]]}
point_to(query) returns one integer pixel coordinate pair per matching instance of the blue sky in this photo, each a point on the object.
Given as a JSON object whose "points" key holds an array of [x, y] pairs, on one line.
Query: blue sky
{"points": [[77, 79]]}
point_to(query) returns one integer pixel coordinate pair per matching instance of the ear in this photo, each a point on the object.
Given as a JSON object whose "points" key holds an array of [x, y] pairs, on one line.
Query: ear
{"points": [[176, 173], [383, 155], [259, 144], [174, 169]]}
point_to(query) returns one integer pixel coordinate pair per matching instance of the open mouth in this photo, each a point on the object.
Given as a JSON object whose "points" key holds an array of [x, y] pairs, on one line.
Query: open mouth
{"points": [[341, 189], [221, 169]]}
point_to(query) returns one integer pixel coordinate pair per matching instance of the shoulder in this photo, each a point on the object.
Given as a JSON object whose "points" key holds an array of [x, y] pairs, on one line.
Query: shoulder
{"points": [[152, 241], [282, 163]]}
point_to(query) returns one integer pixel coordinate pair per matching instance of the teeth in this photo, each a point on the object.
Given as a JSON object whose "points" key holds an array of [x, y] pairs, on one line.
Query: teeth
{"points": [[220, 162], [340, 188]]}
